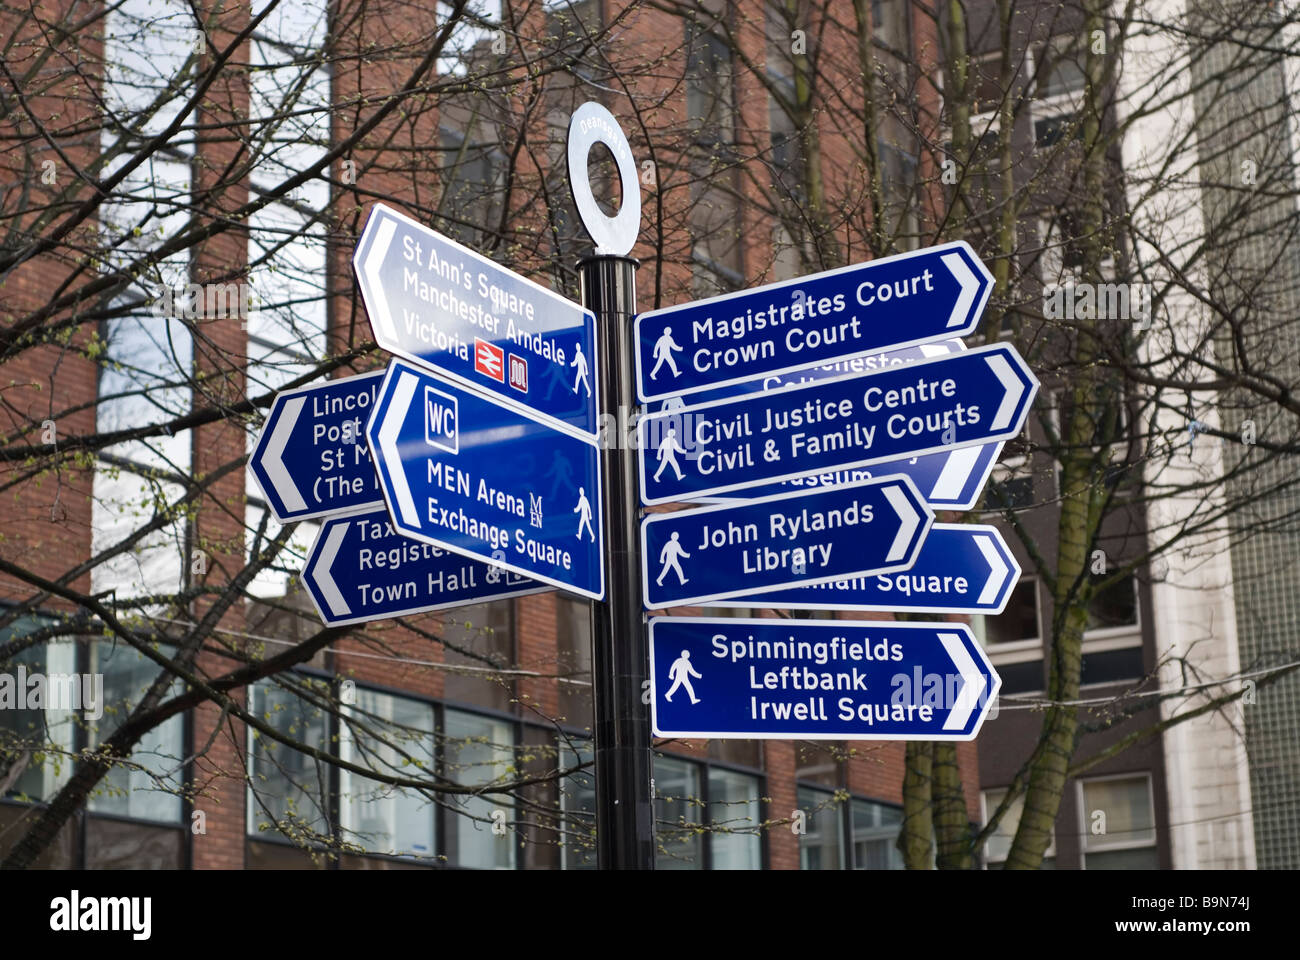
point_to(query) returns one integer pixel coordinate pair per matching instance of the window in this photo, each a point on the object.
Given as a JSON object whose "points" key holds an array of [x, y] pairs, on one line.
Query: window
{"points": [[578, 806], [1018, 623], [678, 811], [472, 187], [734, 819], [690, 795], [889, 23], [289, 790], [477, 751], [1013, 639], [573, 650], [375, 816], [1114, 606], [999, 842], [875, 832], [1117, 819], [821, 846], [150, 787], [709, 96]]}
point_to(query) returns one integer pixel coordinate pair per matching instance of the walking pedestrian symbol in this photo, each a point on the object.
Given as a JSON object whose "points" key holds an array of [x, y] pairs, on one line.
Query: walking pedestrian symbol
{"points": [[663, 353], [669, 555], [680, 674], [583, 510], [668, 450], [580, 362]]}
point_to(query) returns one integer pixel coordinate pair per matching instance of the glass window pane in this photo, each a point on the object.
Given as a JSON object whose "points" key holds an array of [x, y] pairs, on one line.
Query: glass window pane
{"points": [[821, 847], [148, 788], [678, 815], [1019, 621], [1117, 813], [35, 741], [289, 788], [578, 801], [734, 818], [478, 750], [391, 735], [1114, 606], [875, 830], [998, 844]]}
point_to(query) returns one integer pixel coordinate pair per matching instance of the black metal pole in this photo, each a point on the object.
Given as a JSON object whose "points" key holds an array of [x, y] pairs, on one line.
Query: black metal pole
{"points": [[620, 656]]}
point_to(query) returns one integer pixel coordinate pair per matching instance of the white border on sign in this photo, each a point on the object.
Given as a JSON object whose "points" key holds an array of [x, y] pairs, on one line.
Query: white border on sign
{"points": [[504, 399], [385, 482], [1014, 428], [973, 647], [311, 587], [761, 601], [264, 437], [977, 309], [927, 519]]}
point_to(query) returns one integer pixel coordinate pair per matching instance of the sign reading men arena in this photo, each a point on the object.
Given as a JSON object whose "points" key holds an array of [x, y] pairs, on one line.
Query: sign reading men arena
{"points": [[435, 302], [487, 481]]}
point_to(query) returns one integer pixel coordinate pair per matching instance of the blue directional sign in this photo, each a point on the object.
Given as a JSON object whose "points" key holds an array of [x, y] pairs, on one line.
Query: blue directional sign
{"points": [[962, 568], [931, 406], [843, 680], [793, 539], [311, 457], [360, 569], [462, 472], [953, 480], [915, 297], [440, 304]]}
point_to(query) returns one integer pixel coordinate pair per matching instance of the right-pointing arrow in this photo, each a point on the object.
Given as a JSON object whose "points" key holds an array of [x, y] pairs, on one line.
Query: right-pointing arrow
{"points": [[1013, 386], [973, 682], [969, 284], [999, 570], [909, 518], [322, 573], [373, 291], [273, 458], [388, 431]]}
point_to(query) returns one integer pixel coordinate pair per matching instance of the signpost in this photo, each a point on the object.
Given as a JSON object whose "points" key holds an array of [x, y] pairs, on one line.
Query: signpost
{"points": [[484, 480], [360, 569], [925, 295], [788, 540], [962, 568], [435, 302], [949, 481], [310, 458], [932, 406], [843, 680]]}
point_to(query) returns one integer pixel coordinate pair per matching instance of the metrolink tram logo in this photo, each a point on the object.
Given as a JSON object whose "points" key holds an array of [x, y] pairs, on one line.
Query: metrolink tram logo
{"points": [[53, 691]]}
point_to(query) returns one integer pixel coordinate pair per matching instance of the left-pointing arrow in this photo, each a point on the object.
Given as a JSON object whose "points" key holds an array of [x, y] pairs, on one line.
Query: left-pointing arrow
{"points": [[346, 586], [274, 458], [311, 458]]}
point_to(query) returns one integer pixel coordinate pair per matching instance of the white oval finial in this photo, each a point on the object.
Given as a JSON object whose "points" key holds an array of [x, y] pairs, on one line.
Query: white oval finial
{"points": [[592, 124]]}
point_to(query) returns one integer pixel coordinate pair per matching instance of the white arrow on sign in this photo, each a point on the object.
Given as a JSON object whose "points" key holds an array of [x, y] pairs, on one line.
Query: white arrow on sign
{"points": [[273, 458], [322, 572], [908, 520], [1011, 384], [380, 312], [998, 570], [969, 284], [972, 682], [394, 417]]}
